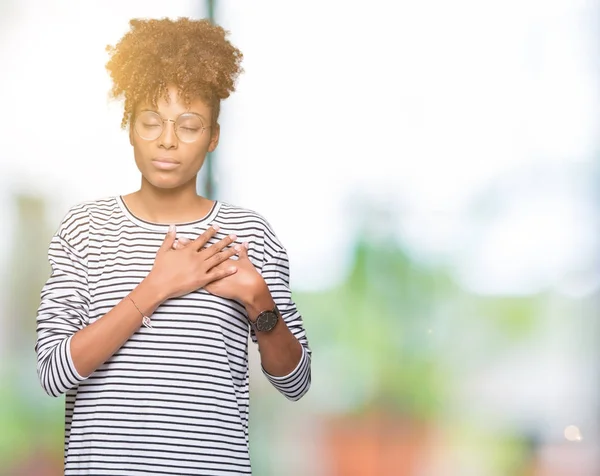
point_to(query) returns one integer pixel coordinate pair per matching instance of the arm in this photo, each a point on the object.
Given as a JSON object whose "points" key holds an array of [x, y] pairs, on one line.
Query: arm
{"points": [[68, 350], [95, 344], [284, 351]]}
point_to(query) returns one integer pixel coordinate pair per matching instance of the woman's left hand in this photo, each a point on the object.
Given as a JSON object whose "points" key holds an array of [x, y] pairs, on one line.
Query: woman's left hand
{"points": [[242, 286]]}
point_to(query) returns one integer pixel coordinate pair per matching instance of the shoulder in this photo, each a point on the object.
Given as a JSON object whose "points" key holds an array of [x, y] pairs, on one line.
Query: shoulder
{"points": [[76, 221], [238, 218]]}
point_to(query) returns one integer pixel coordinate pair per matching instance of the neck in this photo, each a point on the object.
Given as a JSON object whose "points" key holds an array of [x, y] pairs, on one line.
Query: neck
{"points": [[176, 205]]}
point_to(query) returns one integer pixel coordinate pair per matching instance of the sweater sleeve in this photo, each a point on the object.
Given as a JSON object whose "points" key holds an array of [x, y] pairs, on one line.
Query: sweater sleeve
{"points": [[63, 310], [276, 273]]}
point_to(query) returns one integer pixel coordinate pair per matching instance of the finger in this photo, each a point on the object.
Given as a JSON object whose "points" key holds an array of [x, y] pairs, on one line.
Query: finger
{"points": [[169, 239], [205, 237], [221, 273], [242, 250], [181, 243], [219, 258], [218, 246]]}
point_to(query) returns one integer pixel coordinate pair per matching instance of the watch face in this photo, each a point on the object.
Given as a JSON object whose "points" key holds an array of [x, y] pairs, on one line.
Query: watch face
{"points": [[266, 321]]}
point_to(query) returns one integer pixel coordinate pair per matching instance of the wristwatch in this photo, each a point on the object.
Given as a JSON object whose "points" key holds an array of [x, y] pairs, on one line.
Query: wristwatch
{"points": [[266, 320]]}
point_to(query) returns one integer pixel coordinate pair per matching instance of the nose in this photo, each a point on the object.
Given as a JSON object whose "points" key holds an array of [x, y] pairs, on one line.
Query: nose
{"points": [[168, 138]]}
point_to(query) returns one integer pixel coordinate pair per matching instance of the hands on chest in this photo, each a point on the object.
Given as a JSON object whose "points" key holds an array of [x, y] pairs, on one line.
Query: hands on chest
{"points": [[182, 266]]}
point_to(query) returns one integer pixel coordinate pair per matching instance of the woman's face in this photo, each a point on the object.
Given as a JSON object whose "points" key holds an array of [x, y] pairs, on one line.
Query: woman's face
{"points": [[168, 159]]}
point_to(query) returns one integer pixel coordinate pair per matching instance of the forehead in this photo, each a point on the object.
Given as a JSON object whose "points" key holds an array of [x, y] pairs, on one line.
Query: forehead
{"points": [[173, 105]]}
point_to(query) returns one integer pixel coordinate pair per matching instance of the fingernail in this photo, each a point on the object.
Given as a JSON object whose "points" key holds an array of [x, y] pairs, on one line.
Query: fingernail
{"points": [[171, 228], [237, 248], [232, 269], [246, 244], [233, 237], [216, 227], [175, 245]]}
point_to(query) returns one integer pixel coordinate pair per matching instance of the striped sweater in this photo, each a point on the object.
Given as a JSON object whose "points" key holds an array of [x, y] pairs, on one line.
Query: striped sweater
{"points": [[174, 399]]}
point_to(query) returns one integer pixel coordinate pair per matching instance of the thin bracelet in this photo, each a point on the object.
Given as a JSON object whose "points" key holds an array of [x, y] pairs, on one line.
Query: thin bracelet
{"points": [[145, 319]]}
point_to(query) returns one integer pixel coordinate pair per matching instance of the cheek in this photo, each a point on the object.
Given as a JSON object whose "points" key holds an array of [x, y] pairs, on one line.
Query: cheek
{"points": [[194, 154], [140, 148], [139, 155]]}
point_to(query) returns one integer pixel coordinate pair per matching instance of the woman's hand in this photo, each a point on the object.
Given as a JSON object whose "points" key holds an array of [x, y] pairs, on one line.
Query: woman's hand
{"points": [[186, 269], [242, 286]]}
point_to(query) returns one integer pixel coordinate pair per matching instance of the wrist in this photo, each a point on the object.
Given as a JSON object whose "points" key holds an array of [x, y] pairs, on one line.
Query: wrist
{"points": [[260, 300], [150, 295]]}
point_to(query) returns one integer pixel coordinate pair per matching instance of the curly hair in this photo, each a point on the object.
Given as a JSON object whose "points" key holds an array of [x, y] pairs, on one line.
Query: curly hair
{"points": [[193, 55]]}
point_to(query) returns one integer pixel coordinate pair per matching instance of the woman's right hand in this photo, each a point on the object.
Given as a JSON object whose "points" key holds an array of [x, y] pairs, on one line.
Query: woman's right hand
{"points": [[180, 271]]}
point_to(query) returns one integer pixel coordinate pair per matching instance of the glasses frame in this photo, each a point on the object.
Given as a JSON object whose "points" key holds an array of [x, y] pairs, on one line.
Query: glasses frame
{"points": [[173, 121]]}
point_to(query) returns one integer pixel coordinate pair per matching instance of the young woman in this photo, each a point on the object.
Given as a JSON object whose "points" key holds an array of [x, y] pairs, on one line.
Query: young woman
{"points": [[144, 321]]}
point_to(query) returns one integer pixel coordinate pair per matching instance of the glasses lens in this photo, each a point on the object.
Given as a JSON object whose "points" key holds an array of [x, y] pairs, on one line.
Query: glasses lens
{"points": [[148, 125], [189, 127]]}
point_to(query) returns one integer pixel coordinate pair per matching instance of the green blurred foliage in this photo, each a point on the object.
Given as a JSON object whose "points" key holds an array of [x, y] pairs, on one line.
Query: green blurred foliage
{"points": [[392, 324]]}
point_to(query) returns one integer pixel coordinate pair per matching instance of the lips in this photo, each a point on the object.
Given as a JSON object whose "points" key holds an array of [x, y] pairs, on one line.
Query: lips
{"points": [[165, 163]]}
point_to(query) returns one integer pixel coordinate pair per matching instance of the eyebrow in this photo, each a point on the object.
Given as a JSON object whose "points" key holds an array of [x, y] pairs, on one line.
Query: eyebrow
{"points": [[186, 112]]}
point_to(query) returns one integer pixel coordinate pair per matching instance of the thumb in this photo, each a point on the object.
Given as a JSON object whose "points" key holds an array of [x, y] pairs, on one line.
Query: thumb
{"points": [[169, 239]]}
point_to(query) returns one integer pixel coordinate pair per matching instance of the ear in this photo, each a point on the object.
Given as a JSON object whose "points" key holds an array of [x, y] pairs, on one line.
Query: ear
{"points": [[214, 139]]}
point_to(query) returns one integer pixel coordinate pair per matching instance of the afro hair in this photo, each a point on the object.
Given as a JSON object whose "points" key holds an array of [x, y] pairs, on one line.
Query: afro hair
{"points": [[193, 55]]}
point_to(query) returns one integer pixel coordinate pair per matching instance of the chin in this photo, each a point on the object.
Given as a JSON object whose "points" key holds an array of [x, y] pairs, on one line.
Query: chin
{"points": [[167, 182]]}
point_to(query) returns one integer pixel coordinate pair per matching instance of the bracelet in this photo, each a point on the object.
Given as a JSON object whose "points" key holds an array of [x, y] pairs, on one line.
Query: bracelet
{"points": [[145, 319]]}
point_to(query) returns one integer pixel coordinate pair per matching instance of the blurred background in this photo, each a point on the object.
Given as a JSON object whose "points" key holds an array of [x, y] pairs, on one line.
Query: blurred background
{"points": [[433, 173]]}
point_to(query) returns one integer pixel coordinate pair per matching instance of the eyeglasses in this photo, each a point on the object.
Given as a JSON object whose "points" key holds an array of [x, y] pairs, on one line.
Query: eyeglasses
{"points": [[149, 125]]}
